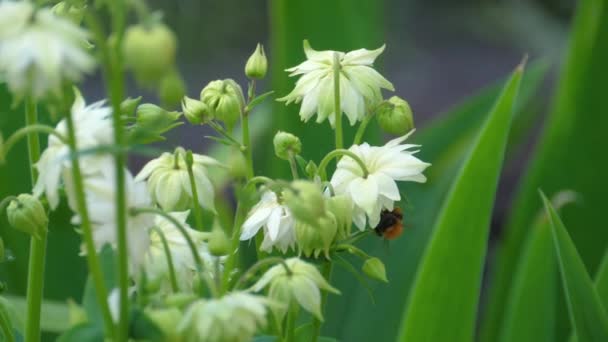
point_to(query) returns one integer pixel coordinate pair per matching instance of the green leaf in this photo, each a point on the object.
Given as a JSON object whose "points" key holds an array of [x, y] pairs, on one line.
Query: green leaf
{"points": [[143, 328], [55, 315], [83, 332], [89, 299], [443, 301], [304, 334], [578, 116], [587, 314]]}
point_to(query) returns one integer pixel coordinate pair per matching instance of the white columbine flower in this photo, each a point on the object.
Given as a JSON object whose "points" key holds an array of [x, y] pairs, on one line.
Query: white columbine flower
{"points": [[360, 84], [169, 182], [277, 220], [302, 283], [386, 165], [235, 317], [39, 50], [93, 127], [185, 268], [100, 193]]}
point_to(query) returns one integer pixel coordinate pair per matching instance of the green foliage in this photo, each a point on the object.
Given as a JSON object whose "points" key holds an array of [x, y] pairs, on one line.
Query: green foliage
{"points": [[587, 314]]}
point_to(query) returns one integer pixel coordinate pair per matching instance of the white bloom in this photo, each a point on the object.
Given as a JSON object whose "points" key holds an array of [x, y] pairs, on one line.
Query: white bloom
{"points": [[100, 192], [360, 84], [93, 127], [235, 317], [386, 165], [277, 220], [39, 50], [183, 262], [303, 284], [169, 182]]}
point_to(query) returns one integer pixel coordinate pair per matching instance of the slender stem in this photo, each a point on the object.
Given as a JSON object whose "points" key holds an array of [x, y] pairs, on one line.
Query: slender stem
{"points": [[101, 292], [231, 261], [26, 132], [169, 256], [337, 106], [198, 214], [361, 129], [326, 271], [247, 148], [293, 166], [290, 326], [341, 152], [35, 278], [257, 266]]}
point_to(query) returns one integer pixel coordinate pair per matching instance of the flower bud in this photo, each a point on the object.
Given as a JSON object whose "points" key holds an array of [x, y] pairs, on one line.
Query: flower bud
{"points": [[172, 89], [305, 201], [341, 207], [167, 320], [149, 51], [257, 64], [76, 314], [395, 116], [314, 239], [311, 169], [195, 111], [286, 144], [128, 106], [27, 214], [73, 13], [374, 268], [219, 244], [226, 100], [237, 166], [155, 119]]}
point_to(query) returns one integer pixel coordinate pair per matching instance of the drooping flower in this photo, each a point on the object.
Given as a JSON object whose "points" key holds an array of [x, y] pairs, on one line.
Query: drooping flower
{"points": [[183, 261], [360, 84], [386, 165], [235, 317], [302, 282], [93, 127], [39, 50], [277, 221], [169, 182], [100, 195]]}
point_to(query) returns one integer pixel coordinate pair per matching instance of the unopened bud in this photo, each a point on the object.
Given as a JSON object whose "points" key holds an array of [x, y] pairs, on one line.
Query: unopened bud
{"points": [[26, 213], [71, 12], [195, 111], [167, 321], [314, 239], [172, 89], [374, 268], [395, 116], [257, 64], [286, 145], [76, 314], [149, 51], [225, 97], [128, 106], [219, 244], [155, 118], [341, 207], [237, 166], [305, 201]]}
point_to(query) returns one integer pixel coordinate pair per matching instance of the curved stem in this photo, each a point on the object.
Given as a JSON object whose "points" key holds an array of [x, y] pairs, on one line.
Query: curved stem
{"points": [[27, 131], [361, 129], [101, 292], [257, 266], [337, 153], [35, 278], [6, 201], [197, 258], [198, 215], [326, 272], [337, 106], [293, 166], [169, 256]]}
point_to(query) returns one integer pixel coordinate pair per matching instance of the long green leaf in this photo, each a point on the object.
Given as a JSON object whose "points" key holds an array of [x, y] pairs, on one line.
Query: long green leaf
{"points": [[587, 314], [54, 314], [443, 301], [578, 117]]}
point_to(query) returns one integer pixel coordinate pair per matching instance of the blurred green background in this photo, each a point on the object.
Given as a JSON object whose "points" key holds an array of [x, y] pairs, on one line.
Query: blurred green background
{"points": [[448, 59]]}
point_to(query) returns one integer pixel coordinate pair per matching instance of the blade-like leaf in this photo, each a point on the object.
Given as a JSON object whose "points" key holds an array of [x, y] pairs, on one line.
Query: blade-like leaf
{"points": [[587, 314], [443, 302], [54, 314], [578, 116]]}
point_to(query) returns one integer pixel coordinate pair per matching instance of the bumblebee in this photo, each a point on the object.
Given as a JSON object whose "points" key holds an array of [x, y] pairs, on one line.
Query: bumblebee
{"points": [[391, 224]]}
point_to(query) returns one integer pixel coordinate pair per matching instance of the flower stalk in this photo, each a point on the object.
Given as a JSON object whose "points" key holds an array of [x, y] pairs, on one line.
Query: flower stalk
{"points": [[198, 214], [167, 251], [337, 153]]}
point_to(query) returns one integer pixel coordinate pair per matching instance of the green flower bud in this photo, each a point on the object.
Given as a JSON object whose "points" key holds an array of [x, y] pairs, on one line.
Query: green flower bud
{"points": [[314, 239], [72, 13], [395, 116], [305, 201], [257, 64], [149, 51], [128, 106], [286, 144], [167, 321], [219, 244], [155, 119], [374, 268], [311, 169], [195, 111], [225, 97], [27, 214], [172, 89], [341, 207], [76, 313], [237, 166]]}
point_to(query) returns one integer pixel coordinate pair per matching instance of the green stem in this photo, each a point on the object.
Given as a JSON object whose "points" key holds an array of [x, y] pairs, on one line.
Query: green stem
{"points": [[26, 131], [361, 129], [35, 278], [247, 150], [257, 266], [169, 256], [293, 166], [337, 106], [337, 153], [93, 262], [198, 214], [235, 239], [290, 326], [326, 272]]}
